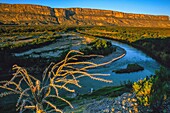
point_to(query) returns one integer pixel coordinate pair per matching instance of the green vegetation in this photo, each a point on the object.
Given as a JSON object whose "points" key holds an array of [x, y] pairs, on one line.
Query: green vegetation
{"points": [[153, 41], [130, 68], [110, 91], [158, 48], [99, 47], [21, 38], [22, 30], [24, 45], [154, 91], [142, 88]]}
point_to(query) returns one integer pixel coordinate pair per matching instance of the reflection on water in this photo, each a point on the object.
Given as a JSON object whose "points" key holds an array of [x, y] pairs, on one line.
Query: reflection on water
{"points": [[132, 56]]}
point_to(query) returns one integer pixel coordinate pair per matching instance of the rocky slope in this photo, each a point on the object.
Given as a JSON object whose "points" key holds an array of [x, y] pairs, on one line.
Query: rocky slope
{"points": [[125, 103], [35, 14]]}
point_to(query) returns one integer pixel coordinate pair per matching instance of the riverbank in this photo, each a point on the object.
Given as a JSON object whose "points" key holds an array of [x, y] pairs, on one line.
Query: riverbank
{"points": [[146, 46], [115, 55], [126, 53]]}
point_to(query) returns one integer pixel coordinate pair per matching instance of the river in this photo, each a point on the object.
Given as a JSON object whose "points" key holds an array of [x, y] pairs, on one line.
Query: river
{"points": [[133, 55]]}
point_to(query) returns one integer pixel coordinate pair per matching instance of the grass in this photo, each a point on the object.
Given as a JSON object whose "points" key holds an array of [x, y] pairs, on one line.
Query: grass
{"points": [[110, 91]]}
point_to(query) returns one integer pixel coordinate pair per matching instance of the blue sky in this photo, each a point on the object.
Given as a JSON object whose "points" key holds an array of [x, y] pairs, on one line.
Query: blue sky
{"points": [[156, 7]]}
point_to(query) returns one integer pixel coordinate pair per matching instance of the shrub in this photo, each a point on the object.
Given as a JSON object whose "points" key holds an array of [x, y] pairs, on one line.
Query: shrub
{"points": [[153, 91], [37, 95], [142, 88], [99, 46], [160, 89]]}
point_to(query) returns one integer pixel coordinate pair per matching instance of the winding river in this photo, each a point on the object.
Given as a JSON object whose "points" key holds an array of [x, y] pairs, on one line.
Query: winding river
{"points": [[133, 55]]}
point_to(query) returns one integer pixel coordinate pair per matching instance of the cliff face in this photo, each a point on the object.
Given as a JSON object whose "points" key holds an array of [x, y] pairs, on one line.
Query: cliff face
{"points": [[35, 14], [26, 14]]}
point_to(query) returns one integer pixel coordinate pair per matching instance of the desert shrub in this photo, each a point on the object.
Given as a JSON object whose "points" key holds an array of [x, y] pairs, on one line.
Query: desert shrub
{"points": [[35, 94], [160, 89], [99, 46], [153, 91], [143, 88]]}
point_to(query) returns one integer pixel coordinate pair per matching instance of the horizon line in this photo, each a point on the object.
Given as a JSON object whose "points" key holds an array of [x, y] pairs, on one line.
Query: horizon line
{"points": [[88, 8]]}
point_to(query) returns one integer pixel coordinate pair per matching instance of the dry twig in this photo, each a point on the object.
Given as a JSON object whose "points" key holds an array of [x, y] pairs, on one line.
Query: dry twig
{"points": [[56, 76]]}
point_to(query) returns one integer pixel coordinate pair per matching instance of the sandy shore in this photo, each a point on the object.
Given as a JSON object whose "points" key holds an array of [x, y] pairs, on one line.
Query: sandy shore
{"points": [[116, 55]]}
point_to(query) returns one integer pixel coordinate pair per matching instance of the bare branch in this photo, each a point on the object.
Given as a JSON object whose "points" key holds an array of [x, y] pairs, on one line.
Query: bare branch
{"points": [[56, 76]]}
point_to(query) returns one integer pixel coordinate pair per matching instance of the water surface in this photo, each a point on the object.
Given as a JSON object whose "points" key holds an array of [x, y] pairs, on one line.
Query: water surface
{"points": [[133, 55]]}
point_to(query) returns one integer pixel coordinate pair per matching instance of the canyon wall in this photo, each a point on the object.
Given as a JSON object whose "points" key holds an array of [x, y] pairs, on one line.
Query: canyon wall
{"points": [[35, 15], [26, 14]]}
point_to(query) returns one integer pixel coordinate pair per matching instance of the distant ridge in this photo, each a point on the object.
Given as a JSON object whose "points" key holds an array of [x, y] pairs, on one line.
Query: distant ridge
{"points": [[27, 14]]}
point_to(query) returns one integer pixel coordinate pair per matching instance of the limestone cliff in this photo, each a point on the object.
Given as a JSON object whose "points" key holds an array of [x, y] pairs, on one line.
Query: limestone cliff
{"points": [[26, 14], [35, 14]]}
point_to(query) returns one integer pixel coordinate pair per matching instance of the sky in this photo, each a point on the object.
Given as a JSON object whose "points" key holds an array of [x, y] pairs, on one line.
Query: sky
{"points": [[155, 7]]}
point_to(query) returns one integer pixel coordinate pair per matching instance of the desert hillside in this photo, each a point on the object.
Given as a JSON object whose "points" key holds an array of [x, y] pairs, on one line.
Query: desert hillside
{"points": [[35, 14]]}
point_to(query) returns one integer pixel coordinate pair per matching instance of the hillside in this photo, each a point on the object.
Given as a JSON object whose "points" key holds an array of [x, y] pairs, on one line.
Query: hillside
{"points": [[36, 15]]}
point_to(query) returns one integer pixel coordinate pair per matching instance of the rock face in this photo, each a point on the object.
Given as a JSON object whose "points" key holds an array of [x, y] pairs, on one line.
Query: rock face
{"points": [[26, 14], [35, 14]]}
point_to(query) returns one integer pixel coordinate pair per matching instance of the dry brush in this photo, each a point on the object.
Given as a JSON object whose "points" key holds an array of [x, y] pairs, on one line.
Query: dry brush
{"points": [[35, 94]]}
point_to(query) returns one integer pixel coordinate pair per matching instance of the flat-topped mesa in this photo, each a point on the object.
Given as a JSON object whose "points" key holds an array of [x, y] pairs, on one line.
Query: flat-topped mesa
{"points": [[36, 14], [140, 16], [97, 12], [32, 9], [31, 14], [84, 16]]}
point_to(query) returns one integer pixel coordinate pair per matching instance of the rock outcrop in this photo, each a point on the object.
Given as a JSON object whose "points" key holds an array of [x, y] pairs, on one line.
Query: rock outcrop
{"points": [[35, 14], [125, 103], [26, 14]]}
